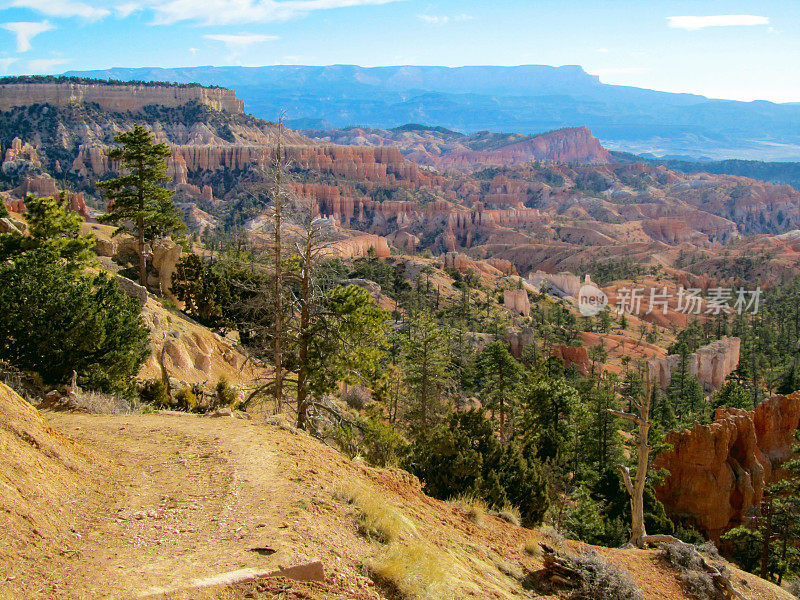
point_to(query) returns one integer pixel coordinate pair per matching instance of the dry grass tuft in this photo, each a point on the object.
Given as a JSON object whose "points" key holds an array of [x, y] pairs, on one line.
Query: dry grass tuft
{"points": [[508, 513], [417, 571], [532, 546], [473, 507], [377, 519]]}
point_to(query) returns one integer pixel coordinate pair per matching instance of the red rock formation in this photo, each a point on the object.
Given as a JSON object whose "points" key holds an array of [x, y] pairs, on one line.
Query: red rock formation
{"points": [[718, 471], [574, 355], [41, 186], [443, 150], [22, 152], [360, 245], [574, 144], [463, 263]]}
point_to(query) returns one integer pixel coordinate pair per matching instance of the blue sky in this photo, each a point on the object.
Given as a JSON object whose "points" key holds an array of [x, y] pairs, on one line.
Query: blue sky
{"points": [[723, 48]]}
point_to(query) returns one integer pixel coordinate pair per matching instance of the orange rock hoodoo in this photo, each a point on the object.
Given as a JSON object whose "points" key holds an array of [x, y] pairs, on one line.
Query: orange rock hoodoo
{"points": [[718, 471]]}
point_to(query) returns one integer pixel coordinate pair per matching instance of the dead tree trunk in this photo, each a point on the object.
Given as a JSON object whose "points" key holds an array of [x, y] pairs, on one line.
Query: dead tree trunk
{"points": [[277, 353], [635, 486]]}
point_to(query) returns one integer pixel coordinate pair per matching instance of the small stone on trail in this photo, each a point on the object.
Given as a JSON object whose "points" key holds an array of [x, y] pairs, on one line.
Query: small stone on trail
{"points": [[313, 571]]}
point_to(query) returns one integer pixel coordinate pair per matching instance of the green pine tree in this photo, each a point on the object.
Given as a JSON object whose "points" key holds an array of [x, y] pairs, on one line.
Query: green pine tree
{"points": [[50, 225], [138, 202], [499, 374]]}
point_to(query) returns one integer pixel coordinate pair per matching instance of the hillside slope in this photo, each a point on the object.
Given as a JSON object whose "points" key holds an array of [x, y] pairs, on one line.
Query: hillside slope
{"points": [[41, 477], [180, 500]]}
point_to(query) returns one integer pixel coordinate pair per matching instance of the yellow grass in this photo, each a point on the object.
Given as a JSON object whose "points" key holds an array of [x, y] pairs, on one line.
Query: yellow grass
{"points": [[417, 570], [475, 508], [377, 519]]}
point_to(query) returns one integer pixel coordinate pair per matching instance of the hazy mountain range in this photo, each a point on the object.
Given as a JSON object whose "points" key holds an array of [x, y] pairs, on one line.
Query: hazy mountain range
{"points": [[525, 99]]}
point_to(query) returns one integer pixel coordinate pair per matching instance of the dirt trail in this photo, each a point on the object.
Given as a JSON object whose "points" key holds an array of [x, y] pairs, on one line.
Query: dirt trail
{"points": [[189, 498]]}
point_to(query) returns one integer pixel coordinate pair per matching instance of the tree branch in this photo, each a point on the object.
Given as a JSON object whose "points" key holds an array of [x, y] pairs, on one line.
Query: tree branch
{"points": [[626, 477], [627, 416]]}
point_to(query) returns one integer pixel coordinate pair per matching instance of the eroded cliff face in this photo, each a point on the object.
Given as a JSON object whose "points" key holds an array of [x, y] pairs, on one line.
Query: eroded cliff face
{"points": [[117, 98], [711, 364], [718, 471]]}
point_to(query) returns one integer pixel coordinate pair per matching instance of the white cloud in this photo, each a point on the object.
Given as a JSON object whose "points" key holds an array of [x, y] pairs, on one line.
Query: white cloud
{"points": [[603, 50], [443, 19], [25, 32], [5, 63], [240, 40], [127, 9], [231, 12], [63, 8], [695, 23], [44, 65]]}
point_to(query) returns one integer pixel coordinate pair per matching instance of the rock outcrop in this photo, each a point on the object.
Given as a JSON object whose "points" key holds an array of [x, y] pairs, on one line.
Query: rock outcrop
{"points": [[563, 284], [519, 339], [117, 98], [517, 301], [165, 256], [360, 245], [718, 471], [189, 353], [576, 356], [44, 186], [711, 364]]}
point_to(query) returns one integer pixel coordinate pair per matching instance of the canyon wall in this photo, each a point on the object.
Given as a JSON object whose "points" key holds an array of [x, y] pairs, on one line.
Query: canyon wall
{"points": [[718, 471], [117, 98]]}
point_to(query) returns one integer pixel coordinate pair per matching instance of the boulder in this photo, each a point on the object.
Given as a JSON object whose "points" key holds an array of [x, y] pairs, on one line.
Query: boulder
{"points": [[164, 258], [103, 247]]}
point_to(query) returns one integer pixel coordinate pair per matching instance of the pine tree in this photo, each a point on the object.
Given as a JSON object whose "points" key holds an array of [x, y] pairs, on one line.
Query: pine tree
{"points": [[50, 225], [100, 334], [499, 374], [138, 202], [547, 406], [426, 362]]}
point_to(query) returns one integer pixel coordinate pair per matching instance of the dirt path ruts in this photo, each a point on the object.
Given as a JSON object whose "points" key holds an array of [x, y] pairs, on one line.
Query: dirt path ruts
{"points": [[189, 497]]}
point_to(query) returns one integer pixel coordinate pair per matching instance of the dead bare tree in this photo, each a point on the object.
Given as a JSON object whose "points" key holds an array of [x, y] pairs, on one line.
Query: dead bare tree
{"points": [[278, 285], [636, 486], [314, 245]]}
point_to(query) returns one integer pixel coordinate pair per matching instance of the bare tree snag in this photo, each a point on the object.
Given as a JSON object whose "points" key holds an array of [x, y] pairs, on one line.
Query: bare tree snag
{"points": [[635, 486]]}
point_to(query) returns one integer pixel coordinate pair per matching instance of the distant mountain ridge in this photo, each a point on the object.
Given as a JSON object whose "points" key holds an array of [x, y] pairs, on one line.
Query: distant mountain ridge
{"points": [[442, 148], [526, 99]]}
